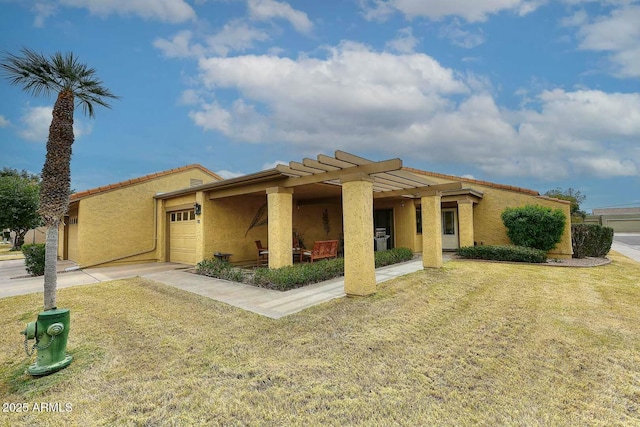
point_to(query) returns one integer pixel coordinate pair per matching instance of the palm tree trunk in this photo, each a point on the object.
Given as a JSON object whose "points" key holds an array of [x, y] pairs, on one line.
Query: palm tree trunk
{"points": [[50, 267], [55, 187]]}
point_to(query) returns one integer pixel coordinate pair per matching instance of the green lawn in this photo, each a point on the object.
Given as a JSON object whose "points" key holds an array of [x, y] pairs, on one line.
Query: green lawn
{"points": [[469, 344]]}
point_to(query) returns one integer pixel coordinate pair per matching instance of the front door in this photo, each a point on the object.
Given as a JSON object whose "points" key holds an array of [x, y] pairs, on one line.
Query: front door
{"points": [[450, 229]]}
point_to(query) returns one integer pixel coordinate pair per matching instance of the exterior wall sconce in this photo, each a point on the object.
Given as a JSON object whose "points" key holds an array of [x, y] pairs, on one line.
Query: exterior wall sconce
{"points": [[197, 207], [402, 204]]}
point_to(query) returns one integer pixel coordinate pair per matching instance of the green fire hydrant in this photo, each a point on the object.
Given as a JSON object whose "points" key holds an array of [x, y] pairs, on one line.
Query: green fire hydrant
{"points": [[50, 331]]}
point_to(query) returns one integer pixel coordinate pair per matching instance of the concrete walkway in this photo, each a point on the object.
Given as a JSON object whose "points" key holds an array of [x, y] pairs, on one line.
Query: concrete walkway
{"points": [[266, 302]]}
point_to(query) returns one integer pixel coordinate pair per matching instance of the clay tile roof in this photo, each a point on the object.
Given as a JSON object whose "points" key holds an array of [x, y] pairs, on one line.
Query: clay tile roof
{"points": [[93, 191], [473, 181]]}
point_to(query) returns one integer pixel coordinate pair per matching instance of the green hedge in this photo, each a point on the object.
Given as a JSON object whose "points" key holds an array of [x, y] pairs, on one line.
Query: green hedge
{"points": [[591, 240], [34, 258], [534, 226], [219, 269], [297, 275], [503, 253], [393, 256]]}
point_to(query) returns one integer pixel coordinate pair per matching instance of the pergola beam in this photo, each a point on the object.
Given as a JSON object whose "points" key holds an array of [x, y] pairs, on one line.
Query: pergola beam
{"points": [[370, 168]]}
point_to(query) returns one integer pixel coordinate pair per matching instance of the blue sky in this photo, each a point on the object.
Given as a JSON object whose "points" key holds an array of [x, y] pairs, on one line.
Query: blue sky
{"points": [[533, 93]]}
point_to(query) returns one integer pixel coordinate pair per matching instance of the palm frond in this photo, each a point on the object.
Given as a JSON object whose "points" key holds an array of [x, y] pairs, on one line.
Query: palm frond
{"points": [[40, 75]]}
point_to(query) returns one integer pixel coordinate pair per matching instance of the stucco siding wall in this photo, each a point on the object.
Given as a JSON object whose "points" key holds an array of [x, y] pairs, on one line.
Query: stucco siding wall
{"points": [[307, 220], [227, 221], [488, 226], [118, 226]]}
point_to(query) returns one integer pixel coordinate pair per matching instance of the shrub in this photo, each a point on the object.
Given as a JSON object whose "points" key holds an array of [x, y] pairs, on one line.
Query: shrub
{"points": [[220, 269], [393, 256], [34, 258], [534, 226], [294, 276], [591, 240], [503, 253]]}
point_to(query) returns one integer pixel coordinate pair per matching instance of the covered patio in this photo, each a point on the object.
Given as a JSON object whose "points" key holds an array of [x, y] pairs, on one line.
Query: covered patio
{"points": [[343, 190]]}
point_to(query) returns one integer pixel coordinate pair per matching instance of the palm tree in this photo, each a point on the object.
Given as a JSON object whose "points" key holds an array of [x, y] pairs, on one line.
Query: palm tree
{"points": [[73, 82]]}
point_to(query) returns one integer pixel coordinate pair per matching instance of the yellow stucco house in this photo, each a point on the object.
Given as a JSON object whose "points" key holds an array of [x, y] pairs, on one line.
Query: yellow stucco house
{"points": [[187, 214]]}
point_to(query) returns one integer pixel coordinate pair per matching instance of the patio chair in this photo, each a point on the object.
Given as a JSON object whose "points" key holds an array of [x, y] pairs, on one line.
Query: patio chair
{"points": [[263, 254]]}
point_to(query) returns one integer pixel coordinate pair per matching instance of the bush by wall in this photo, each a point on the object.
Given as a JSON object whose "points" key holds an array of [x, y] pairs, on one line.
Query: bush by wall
{"points": [[534, 226], [503, 253], [297, 275], [34, 258], [591, 240]]}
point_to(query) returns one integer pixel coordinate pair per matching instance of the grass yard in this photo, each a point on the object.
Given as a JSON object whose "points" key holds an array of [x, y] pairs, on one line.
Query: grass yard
{"points": [[469, 344]]}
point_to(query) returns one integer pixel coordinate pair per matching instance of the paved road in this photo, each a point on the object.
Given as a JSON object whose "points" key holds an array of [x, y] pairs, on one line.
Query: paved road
{"points": [[627, 244]]}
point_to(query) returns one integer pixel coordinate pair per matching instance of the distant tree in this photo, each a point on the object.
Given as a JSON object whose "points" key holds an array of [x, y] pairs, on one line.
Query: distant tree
{"points": [[19, 202], [572, 195], [72, 82]]}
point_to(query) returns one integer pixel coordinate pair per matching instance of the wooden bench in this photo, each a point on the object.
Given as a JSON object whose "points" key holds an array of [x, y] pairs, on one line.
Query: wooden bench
{"points": [[322, 249]]}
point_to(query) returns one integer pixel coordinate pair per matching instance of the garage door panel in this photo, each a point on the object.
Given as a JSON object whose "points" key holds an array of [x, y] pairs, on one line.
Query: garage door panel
{"points": [[182, 238]]}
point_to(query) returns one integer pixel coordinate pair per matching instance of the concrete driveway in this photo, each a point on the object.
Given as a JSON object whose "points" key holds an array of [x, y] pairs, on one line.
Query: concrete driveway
{"points": [[13, 281]]}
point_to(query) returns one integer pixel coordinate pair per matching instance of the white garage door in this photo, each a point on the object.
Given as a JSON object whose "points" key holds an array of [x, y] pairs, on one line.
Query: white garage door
{"points": [[182, 237]]}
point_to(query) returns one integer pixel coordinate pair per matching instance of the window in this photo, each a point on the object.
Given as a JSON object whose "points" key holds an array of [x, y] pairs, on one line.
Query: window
{"points": [[419, 219], [186, 215], [448, 223]]}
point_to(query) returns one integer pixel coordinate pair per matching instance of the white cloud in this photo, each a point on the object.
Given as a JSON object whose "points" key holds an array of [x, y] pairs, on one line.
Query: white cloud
{"points": [[179, 46], [229, 174], [618, 33], [173, 11], [410, 106], [4, 122], [459, 37], [405, 42], [236, 35], [264, 10], [43, 10], [273, 164], [36, 122], [471, 11], [190, 97]]}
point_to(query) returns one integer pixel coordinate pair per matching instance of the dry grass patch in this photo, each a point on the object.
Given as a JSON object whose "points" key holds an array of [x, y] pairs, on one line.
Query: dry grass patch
{"points": [[469, 344], [6, 253]]}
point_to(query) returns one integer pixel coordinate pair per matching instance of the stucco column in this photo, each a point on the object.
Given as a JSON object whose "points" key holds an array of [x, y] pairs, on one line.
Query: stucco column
{"points": [[280, 206], [465, 222], [357, 208], [431, 230], [200, 229]]}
